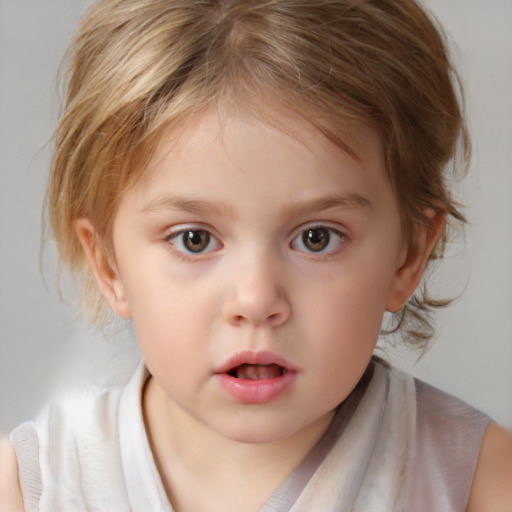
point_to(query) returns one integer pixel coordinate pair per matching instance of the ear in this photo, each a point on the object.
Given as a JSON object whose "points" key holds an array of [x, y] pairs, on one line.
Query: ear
{"points": [[415, 258], [104, 270]]}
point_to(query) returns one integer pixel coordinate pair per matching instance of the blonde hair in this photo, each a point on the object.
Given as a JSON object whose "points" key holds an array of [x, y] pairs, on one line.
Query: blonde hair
{"points": [[139, 68]]}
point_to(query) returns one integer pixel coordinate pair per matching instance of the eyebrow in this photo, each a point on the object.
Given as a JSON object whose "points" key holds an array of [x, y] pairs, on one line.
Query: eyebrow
{"points": [[332, 202], [190, 205], [202, 207]]}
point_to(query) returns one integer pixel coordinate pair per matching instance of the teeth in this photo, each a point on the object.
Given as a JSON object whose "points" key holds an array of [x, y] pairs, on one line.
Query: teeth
{"points": [[258, 371]]}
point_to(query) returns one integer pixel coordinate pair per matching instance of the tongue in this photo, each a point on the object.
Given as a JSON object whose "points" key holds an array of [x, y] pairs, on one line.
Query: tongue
{"points": [[258, 371]]}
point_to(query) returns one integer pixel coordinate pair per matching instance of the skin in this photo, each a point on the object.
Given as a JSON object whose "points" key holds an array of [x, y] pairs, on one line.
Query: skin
{"points": [[491, 489], [256, 285], [10, 492]]}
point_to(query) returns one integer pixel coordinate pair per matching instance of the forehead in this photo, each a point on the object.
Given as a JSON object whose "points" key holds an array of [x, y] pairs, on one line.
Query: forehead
{"points": [[267, 124], [222, 155]]}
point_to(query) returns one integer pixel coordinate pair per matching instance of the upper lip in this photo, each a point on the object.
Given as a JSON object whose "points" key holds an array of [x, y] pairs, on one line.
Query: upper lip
{"points": [[254, 357]]}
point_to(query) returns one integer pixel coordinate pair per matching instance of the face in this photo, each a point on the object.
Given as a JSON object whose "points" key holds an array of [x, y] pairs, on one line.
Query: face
{"points": [[257, 270]]}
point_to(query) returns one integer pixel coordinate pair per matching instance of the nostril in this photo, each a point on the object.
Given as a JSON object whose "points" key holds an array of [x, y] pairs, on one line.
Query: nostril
{"points": [[239, 312], [241, 319]]}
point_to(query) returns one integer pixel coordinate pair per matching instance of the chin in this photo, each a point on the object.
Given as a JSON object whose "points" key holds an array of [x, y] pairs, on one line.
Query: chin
{"points": [[257, 438], [259, 431]]}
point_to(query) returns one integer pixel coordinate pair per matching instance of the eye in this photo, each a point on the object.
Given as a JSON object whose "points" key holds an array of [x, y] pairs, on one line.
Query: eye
{"points": [[318, 239], [193, 241]]}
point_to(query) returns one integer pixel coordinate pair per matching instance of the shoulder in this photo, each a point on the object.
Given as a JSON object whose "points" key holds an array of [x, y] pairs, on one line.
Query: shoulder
{"points": [[448, 439], [10, 493], [492, 489], [450, 418], [464, 445]]}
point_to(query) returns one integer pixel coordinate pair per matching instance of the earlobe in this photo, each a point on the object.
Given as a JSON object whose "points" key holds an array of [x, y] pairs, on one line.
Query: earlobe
{"points": [[105, 271], [415, 259]]}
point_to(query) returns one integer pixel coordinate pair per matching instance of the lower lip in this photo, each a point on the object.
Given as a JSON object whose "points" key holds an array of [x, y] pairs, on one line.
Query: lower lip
{"points": [[257, 391]]}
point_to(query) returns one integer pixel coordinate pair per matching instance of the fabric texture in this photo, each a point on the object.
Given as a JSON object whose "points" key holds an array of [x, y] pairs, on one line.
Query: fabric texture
{"points": [[396, 444]]}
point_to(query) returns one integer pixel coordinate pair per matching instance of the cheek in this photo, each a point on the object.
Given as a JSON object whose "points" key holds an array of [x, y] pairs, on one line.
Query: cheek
{"points": [[342, 339], [156, 308], [354, 304], [345, 319], [159, 288], [350, 325], [172, 317]]}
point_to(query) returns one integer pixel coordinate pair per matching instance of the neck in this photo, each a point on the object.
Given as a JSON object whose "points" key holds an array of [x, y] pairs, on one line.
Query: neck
{"points": [[195, 460]]}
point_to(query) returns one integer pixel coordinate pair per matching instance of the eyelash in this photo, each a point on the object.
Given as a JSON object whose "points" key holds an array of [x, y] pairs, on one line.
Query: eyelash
{"points": [[326, 237], [177, 240]]}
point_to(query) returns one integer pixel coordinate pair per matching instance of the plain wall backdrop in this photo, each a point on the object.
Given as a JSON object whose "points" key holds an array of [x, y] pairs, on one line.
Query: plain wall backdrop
{"points": [[44, 346]]}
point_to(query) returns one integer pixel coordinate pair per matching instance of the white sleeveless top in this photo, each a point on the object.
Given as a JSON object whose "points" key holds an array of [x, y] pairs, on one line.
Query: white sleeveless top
{"points": [[395, 444]]}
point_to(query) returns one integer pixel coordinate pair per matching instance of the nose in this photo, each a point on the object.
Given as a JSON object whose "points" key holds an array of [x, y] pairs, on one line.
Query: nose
{"points": [[256, 295]]}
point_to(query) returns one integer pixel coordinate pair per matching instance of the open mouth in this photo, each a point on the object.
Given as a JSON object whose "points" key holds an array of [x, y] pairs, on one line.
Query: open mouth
{"points": [[250, 377], [248, 371]]}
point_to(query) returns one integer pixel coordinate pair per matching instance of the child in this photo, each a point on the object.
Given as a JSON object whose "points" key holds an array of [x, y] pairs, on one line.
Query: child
{"points": [[254, 184]]}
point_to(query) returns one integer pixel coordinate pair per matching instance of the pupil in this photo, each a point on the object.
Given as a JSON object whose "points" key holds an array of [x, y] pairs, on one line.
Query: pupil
{"points": [[196, 241], [316, 239]]}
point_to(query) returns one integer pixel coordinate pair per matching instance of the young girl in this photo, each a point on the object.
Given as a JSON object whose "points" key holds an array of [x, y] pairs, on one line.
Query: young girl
{"points": [[254, 184]]}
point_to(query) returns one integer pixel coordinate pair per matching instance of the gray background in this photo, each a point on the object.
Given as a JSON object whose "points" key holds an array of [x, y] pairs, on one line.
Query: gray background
{"points": [[43, 344]]}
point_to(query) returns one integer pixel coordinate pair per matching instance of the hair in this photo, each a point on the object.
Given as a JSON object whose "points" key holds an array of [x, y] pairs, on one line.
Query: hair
{"points": [[138, 69]]}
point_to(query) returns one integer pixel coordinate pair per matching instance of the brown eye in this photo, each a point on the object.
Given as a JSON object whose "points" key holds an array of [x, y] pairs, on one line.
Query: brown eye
{"points": [[196, 240], [316, 239], [193, 241]]}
